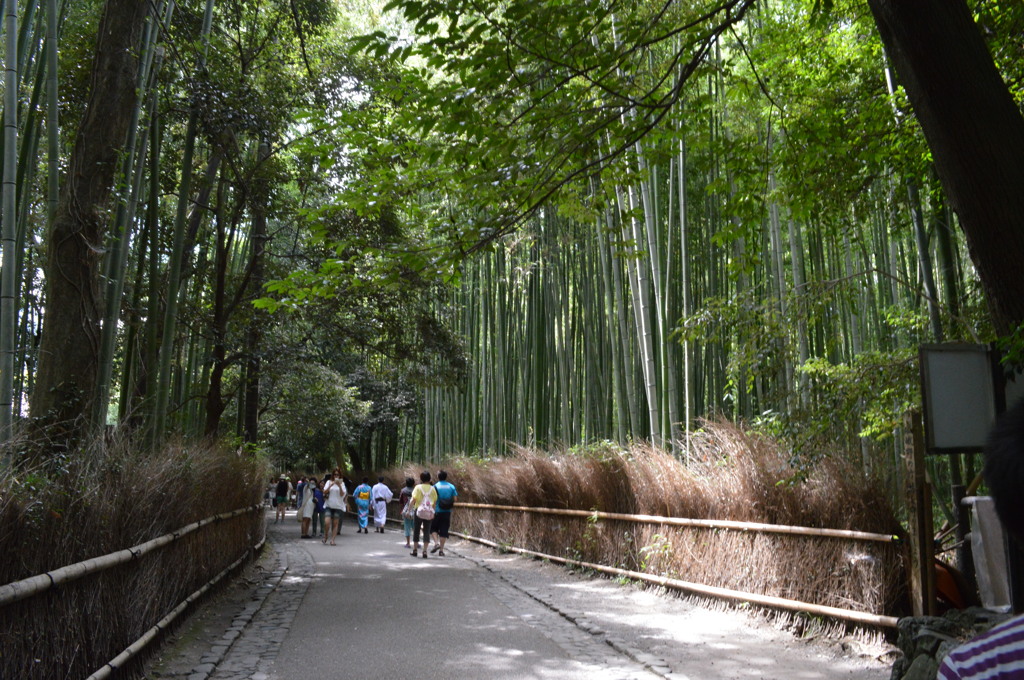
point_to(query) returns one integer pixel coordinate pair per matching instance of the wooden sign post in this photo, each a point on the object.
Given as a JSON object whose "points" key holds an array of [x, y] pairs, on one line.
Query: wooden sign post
{"points": [[919, 506]]}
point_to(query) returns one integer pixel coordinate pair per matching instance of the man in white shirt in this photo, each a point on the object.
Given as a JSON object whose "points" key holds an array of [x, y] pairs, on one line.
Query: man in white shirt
{"points": [[380, 496]]}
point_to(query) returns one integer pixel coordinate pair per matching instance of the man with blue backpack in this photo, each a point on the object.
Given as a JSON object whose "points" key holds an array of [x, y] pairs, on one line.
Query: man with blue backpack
{"points": [[442, 521]]}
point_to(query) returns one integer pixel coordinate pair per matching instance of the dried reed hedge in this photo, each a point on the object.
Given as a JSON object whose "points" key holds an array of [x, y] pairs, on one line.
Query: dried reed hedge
{"points": [[732, 475], [104, 500]]}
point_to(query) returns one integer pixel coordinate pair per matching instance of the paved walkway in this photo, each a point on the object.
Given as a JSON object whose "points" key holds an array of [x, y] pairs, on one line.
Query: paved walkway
{"points": [[367, 608]]}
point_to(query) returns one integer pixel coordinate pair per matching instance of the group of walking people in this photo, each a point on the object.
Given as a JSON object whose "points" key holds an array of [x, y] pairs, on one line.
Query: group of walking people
{"points": [[321, 506], [373, 499], [426, 507], [320, 503], [427, 511]]}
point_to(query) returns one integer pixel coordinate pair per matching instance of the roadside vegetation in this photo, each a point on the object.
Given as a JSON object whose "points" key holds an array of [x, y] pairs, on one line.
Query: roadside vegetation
{"points": [[86, 506], [732, 475]]}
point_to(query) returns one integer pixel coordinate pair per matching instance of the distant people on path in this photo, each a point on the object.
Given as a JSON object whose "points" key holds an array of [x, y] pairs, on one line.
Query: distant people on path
{"points": [[281, 494], [362, 497], [382, 495], [300, 486], [318, 509], [408, 509], [424, 499], [998, 653], [307, 506], [334, 507], [442, 521]]}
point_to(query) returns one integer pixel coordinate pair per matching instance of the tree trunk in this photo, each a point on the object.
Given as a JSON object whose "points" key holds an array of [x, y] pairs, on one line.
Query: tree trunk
{"points": [[218, 356], [254, 334], [924, 260], [975, 132], [69, 350]]}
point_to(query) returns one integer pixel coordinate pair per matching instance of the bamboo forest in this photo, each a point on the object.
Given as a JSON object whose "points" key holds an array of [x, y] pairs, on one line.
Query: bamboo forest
{"points": [[350, 231]]}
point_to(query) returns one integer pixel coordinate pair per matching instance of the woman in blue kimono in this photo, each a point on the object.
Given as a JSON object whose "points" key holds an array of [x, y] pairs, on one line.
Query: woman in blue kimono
{"points": [[362, 498]]}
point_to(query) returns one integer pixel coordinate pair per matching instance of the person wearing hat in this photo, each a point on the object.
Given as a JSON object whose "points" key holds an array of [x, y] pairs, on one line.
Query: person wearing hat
{"points": [[281, 495]]}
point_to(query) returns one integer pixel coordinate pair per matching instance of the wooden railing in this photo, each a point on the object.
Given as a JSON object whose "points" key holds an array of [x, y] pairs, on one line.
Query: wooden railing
{"points": [[851, 615], [19, 590], [34, 585], [703, 523]]}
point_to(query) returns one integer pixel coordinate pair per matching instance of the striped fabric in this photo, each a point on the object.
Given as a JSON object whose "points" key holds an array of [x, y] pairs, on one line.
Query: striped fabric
{"points": [[999, 653]]}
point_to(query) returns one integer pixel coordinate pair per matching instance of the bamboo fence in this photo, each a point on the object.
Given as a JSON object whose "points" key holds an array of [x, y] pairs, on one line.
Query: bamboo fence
{"points": [[34, 585], [854, 616], [164, 623], [705, 523]]}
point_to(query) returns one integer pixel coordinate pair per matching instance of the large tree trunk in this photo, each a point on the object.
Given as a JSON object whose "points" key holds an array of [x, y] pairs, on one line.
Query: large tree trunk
{"points": [[69, 350], [254, 334], [975, 132]]}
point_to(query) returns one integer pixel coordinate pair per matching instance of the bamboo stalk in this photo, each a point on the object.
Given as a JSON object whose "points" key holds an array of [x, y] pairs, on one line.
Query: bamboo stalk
{"points": [[175, 264], [709, 591], [703, 523], [52, 118], [8, 282], [685, 293], [33, 585]]}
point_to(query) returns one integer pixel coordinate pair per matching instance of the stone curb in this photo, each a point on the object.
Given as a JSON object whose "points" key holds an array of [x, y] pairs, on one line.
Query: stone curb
{"points": [[212, 659]]}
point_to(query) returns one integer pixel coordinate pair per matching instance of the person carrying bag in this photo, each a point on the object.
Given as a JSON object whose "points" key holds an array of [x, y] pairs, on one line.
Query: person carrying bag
{"points": [[424, 498]]}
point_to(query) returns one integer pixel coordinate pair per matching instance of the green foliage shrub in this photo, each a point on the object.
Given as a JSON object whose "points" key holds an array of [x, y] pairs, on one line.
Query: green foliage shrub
{"points": [[315, 411]]}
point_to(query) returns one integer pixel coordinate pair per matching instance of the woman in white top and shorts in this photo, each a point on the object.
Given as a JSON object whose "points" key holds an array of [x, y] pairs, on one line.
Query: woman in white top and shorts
{"points": [[334, 507]]}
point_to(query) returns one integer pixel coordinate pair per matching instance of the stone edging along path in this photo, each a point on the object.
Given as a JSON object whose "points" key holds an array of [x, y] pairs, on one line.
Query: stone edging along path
{"points": [[243, 646]]}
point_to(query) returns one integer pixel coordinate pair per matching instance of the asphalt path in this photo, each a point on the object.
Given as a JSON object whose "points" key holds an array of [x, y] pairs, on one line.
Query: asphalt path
{"points": [[365, 608], [372, 610]]}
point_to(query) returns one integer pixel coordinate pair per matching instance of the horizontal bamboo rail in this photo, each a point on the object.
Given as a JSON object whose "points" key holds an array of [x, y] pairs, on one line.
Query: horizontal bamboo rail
{"points": [[161, 625], [700, 589], [702, 523], [33, 585]]}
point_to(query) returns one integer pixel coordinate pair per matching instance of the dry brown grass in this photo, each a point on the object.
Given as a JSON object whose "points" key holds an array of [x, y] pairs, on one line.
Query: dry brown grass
{"points": [[103, 501], [732, 475]]}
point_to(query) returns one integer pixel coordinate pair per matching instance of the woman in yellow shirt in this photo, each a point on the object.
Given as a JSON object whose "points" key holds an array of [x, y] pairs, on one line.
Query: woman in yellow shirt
{"points": [[424, 490]]}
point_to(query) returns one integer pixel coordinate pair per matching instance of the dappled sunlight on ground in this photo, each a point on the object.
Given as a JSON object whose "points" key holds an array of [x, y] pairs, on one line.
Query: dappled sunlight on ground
{"points": [[477, 614], [694, 641]]}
